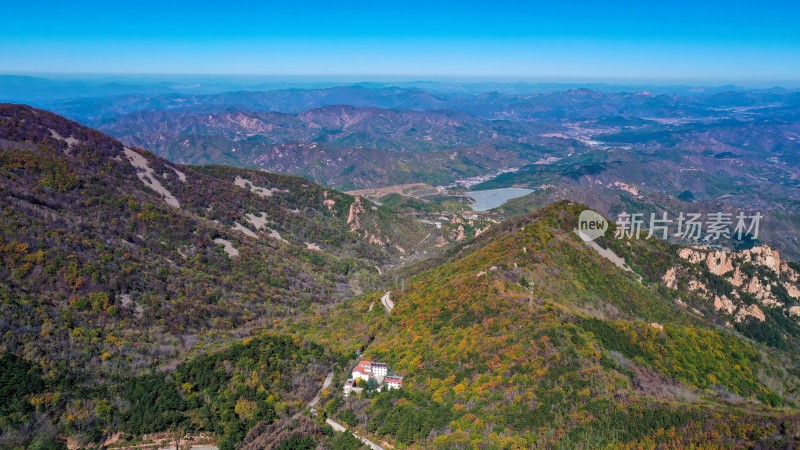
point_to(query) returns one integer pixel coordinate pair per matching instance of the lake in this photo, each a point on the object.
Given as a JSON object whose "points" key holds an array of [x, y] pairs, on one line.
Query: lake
{"points": [[492, 198]]}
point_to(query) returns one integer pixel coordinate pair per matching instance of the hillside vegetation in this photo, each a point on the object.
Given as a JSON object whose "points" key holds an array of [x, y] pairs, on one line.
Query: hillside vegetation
{"points": [[141, 297], [115, 262], [528, 337]]}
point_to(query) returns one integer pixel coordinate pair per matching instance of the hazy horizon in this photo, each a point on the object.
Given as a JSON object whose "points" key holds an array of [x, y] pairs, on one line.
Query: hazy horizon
{"points": [[351, 79], [709, 42]]}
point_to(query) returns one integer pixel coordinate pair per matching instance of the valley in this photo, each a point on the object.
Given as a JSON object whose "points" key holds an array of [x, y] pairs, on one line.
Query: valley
{"points": [[659, 149]]}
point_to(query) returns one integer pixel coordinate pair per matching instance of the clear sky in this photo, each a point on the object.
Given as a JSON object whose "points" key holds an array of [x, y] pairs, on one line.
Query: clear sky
{"points": [[600, 40]]}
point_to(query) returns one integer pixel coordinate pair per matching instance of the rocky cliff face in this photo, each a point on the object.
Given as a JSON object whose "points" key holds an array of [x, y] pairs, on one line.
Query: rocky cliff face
{"points": [[758, 278]]}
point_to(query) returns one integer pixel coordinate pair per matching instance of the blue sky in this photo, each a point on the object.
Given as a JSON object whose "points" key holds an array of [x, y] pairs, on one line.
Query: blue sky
{"points": [[644, 40]]}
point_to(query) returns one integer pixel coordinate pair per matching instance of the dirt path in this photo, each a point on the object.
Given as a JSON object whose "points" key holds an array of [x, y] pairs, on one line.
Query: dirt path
{"points": [[315, 400], [378, 193], [387, 302], [335, 425], [325, 385], [341, 429]]}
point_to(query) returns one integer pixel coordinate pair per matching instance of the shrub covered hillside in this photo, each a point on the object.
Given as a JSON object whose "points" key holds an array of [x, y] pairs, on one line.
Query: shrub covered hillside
{"points": [[257, 384], [114, 261], [529, 338]]}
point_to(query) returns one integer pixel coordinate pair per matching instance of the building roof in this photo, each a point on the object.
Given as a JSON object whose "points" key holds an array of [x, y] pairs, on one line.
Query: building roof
{"points": [[359, 369], [365, 363], [394, 379]]}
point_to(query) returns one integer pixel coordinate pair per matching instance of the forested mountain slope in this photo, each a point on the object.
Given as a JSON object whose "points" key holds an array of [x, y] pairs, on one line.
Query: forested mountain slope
{"points": [[114, 261], [529, 337]]}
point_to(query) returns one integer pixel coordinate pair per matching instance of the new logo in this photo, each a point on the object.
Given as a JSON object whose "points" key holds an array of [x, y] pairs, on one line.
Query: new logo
{"points": [[591, 225]]}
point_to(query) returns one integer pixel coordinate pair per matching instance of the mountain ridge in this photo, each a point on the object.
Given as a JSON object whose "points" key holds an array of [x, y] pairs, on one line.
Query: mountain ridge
{"points": [[527, 336], [113, 237]]}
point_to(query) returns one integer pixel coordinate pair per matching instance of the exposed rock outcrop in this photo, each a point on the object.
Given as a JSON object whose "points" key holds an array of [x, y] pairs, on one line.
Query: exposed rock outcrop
{"points": [[758, 273]]}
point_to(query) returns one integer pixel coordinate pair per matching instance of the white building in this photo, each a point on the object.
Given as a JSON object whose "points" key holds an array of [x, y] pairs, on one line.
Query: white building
{"points": [[348, 386], [365, 364], [394, 382], [366, 369], [379, 370], [360, 373]]}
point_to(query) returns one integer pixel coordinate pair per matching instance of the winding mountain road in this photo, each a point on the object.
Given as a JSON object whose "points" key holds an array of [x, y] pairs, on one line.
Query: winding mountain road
{"points": [[325, 384], [315, 400], [387, 302], [335, 425], [341, 429]]}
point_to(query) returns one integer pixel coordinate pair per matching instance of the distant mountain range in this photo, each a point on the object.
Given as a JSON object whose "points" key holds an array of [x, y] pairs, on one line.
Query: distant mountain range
{"points": [[29, 88], [725, 148], [343, 146]]}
